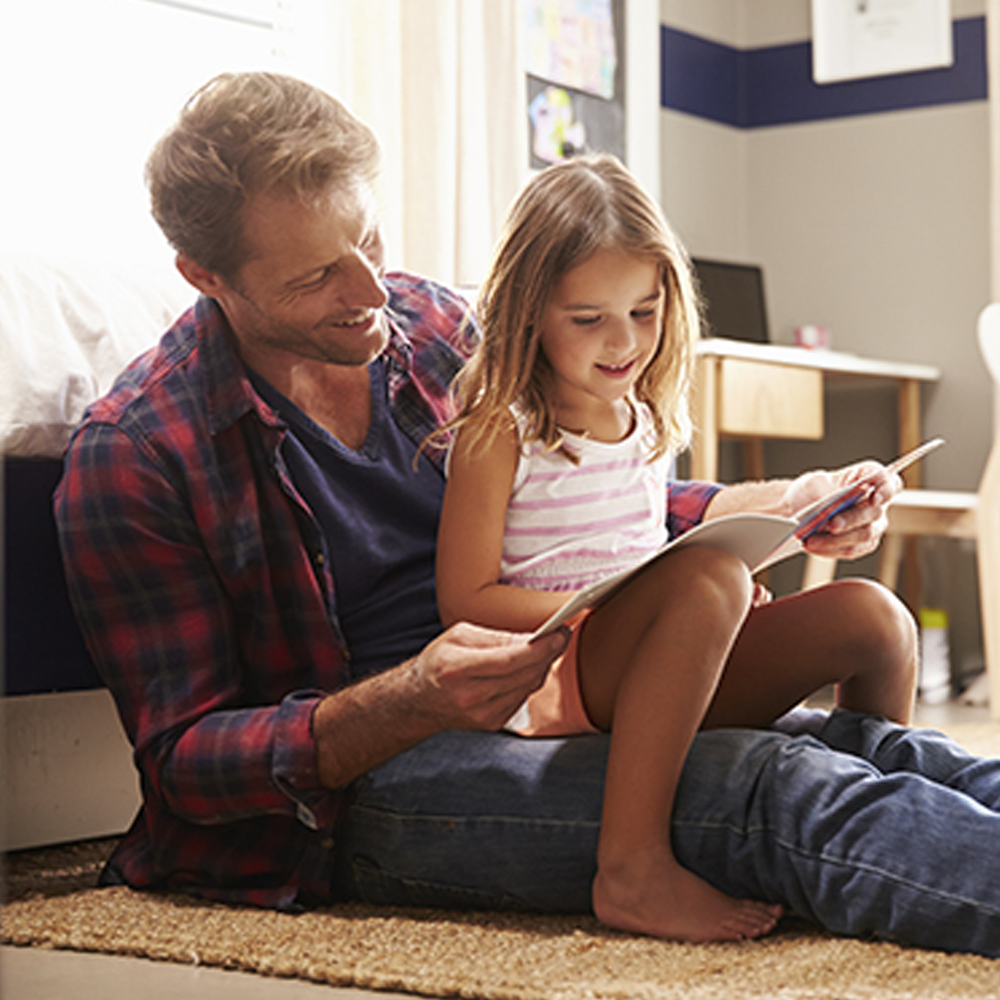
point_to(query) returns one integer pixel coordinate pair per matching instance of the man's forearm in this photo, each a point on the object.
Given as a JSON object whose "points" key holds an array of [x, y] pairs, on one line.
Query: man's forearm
{"points": [[467, 678], [366, 724], [767, 497]]}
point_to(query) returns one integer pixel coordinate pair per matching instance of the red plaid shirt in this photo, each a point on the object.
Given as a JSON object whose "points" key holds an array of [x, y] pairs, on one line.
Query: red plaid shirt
{"points": [[202, 584]]}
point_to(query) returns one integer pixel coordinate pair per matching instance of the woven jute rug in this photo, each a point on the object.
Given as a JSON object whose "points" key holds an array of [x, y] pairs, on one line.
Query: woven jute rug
{"points": [[52, 903]]}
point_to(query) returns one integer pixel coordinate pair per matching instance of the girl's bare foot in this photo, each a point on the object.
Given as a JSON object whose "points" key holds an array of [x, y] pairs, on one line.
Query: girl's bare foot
{"points": [[664, 900]]}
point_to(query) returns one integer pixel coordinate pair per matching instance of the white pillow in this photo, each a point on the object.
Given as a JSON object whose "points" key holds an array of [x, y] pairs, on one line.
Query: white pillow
{"points": [[67, 328]]}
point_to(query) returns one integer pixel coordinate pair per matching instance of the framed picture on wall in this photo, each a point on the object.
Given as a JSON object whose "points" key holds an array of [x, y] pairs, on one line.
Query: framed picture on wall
{"points": [[575, 79], [853, 39]]}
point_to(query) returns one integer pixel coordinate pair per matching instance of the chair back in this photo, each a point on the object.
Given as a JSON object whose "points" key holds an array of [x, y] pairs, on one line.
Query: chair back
{"points": [[989, 342], [989, 345], [988, 511]]}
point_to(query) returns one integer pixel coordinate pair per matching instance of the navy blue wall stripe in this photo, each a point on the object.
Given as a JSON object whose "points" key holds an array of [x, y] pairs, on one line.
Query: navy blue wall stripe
{"points": [[753, 88], [699, 77]]}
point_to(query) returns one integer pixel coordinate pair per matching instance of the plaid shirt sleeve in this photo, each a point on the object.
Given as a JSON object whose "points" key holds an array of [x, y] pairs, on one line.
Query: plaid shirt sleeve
{"points": [[159, 625], [687, 503]]}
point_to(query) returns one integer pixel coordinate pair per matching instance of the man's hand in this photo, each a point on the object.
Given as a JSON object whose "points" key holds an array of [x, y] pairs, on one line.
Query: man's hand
{"points": [[475, 678], [853, 532], [467, 678]]}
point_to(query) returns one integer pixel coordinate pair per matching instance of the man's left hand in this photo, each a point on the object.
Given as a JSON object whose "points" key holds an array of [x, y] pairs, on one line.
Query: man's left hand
{"points": [[853, 532]]}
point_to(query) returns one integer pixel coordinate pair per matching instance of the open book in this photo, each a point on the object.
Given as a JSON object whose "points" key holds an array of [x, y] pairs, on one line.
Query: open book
{"points": [[760, 540]]}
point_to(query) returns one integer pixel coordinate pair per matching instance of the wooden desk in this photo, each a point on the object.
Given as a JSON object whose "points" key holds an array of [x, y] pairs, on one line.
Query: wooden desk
{"points": [[757, 391]]}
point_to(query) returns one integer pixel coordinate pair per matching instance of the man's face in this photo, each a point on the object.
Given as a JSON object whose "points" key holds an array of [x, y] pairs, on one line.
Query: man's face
{"points": [[312, 285]]}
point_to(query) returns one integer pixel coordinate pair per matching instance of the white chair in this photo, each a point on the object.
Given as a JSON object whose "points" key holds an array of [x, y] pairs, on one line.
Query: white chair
{"points": [[955, 514]]}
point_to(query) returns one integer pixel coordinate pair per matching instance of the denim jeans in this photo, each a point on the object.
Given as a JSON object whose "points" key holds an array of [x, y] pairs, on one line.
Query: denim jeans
{"points": [[866, 828]]}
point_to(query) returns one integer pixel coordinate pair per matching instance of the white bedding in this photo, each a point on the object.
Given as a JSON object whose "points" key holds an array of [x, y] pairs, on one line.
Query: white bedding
{"points": [[67, 328]]}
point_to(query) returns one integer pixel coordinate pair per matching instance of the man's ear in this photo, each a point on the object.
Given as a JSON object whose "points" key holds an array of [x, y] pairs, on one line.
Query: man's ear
{"points": [[207, 282]]}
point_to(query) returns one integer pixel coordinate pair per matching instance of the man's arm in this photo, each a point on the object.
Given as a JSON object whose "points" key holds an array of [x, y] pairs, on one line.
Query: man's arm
{"points": [[217, 737], [211, 740], [852, 533], [467, 678]]}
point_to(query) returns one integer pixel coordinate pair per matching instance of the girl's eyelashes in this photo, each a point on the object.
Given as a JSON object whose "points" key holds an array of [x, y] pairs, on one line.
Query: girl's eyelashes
{"points": [[639, 314]]}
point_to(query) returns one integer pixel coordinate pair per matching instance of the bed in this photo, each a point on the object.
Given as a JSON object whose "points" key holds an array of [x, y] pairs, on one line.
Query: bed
{"points": [[67, 327]]}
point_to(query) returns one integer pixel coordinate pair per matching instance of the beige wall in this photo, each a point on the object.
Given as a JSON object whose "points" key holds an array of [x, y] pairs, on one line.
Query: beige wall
{"points": [[874, 226], [877, 228]]}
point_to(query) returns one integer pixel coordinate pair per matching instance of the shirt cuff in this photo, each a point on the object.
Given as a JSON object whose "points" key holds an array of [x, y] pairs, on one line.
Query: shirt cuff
{"points": [[295, 769]]}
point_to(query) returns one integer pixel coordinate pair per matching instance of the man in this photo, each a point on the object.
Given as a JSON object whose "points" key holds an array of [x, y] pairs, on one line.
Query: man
{"points": [[248, 525]]}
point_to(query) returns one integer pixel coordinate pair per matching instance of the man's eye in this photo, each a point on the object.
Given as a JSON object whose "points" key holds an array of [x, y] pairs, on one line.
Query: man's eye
{"points": [[316, 282]]}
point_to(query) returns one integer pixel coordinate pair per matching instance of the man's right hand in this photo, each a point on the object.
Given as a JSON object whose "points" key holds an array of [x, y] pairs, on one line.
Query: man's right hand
{"points": [[476, 678], [467, 678]]}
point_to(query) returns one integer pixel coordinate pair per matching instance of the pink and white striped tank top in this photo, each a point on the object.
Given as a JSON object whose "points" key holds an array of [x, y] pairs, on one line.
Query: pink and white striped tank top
{"points": [[568, 525]]}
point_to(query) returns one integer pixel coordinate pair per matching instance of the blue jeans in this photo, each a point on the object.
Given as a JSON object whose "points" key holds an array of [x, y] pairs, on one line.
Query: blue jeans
{"points": [[866, 828]]}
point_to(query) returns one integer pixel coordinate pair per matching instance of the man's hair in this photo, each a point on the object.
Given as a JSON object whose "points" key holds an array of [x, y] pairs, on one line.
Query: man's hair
{"points": [[563, 216], [242, 134]]}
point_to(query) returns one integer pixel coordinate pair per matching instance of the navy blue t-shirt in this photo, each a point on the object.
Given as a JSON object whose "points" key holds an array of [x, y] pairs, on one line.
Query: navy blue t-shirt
{"points": [[379, 517]]}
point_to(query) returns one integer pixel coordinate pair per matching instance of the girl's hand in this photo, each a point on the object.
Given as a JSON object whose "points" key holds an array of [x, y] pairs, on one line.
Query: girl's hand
{"points": [[761, 595]]}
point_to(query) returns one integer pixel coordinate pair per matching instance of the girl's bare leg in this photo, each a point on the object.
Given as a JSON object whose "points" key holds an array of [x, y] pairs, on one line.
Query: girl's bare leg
{"points": [[671, 631], [855, 634]]}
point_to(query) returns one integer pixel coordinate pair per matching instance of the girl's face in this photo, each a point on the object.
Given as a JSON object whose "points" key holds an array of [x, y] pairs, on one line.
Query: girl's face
{"points": [[600, 328]]}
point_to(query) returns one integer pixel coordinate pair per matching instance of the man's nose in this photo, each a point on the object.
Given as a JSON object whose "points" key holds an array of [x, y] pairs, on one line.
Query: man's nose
{"points": [[364, 283]]}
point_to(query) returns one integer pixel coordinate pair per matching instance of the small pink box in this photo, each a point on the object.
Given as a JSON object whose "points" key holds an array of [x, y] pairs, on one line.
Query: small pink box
{"points": [[813, 338]]}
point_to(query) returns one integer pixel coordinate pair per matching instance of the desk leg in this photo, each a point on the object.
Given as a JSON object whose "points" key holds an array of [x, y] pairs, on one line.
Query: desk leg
{"points": [[704, 413], [753, 459], [909, 438], [909, 425]]}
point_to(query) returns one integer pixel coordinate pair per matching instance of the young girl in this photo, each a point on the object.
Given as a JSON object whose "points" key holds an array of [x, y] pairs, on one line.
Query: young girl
{"points": [[569, 413]]}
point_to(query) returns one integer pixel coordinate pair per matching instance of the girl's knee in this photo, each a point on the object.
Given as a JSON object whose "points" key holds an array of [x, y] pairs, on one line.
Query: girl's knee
{"points": [[880, 620], [715, 579]]}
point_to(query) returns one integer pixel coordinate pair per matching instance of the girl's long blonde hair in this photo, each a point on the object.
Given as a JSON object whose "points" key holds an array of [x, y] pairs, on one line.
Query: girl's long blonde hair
{"points": [[565, 214]]}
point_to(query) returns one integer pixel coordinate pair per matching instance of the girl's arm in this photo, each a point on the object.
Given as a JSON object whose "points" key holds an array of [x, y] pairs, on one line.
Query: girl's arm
{"points": [[470, 542]]}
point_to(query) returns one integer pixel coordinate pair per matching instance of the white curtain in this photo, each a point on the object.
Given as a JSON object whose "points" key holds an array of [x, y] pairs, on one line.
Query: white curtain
{"points": [[440, 81], [442, 84]]}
